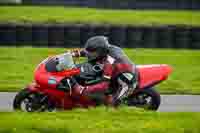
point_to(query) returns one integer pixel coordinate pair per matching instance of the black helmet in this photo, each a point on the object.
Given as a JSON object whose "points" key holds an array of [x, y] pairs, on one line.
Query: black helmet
{"points": [[97, 47]]}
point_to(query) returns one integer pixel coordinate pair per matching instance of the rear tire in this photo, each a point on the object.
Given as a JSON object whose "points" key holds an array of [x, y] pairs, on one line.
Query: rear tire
{"points": [[148, 99]]}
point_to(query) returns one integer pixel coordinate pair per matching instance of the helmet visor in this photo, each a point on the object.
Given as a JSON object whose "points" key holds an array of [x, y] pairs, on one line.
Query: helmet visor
{"points": [[90, 50], [92, 55]]}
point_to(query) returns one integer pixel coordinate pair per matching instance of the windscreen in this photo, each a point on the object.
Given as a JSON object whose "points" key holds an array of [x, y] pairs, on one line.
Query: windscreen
{"points": [[65, 61], [59, 63]]}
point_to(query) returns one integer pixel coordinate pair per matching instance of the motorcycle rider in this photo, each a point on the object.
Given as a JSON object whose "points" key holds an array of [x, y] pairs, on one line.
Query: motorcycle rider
{"points": [[118, 71]]}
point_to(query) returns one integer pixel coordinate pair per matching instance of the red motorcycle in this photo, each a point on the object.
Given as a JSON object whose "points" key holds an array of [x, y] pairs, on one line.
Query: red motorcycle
{"points": [[52, 90]]}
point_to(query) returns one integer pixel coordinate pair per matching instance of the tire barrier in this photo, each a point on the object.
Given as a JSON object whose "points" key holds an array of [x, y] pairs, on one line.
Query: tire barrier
{"points": [[56, 36], [165, 37], [7, 34], [134, 37], [72, 36], [195, 38], [89, 31], [182, 38], [122, 4], [60, 35], [39, 35], [23, 35], [102, 30], [149, 37], [86, 32], [117, 36]]}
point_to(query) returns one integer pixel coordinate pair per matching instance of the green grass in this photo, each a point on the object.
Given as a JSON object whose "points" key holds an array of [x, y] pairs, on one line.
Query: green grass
{"points": [[17, 66], [123, 120], [47, 14]]}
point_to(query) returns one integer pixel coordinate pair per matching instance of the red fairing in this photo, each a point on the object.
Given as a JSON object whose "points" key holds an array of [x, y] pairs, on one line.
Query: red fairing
{"points": [[42, 77], [68, 73], [33, 87], [60, 98], [152, 74]]}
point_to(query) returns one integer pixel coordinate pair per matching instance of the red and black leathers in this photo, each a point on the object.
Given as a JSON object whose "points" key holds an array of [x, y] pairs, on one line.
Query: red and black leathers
{"points": [[114, 64], [101, 86]]}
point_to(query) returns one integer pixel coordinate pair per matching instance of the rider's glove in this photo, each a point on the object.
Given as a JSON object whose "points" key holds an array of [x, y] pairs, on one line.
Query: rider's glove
{"points": [[76, 53]]}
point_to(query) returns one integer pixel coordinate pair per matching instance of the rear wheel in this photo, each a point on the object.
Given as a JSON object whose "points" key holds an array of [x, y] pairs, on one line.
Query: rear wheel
{"points": [[148, 99], [31, 102]]}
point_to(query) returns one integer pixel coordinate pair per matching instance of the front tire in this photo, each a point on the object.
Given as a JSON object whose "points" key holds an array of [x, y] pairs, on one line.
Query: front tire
{"points": [[30, 102], [148, 99]]}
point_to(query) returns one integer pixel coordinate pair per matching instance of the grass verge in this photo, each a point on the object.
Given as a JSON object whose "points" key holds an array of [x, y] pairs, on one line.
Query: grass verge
{"points": [[17, 66], [49, 14], [125, 120]]}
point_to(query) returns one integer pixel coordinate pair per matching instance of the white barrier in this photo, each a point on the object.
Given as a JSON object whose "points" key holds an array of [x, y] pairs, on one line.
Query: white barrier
{"points": [[10, 1]]}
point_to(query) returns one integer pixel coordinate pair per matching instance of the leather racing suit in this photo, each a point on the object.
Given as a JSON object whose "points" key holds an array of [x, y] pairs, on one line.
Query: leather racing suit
{"points": [[118, 72]]}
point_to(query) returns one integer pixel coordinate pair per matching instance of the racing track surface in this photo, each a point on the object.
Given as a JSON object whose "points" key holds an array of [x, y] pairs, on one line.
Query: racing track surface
{"points": [[170, 103]]}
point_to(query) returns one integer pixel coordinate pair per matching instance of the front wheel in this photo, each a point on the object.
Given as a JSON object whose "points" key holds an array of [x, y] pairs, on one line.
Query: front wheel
{"points": [[148, 99], [31, 102]]}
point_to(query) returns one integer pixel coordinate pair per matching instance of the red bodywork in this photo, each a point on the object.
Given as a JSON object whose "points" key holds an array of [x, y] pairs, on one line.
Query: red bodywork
{"points": [[149, 75]]}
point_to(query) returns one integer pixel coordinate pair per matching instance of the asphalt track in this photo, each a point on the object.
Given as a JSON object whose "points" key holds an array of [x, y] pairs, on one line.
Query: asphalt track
{"points": [[170, 103]]}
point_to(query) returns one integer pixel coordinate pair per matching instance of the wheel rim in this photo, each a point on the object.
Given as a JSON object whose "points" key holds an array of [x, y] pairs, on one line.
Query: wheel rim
{"points": [[30, 104], [145, 101], [24, 104], [142, 100]]}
